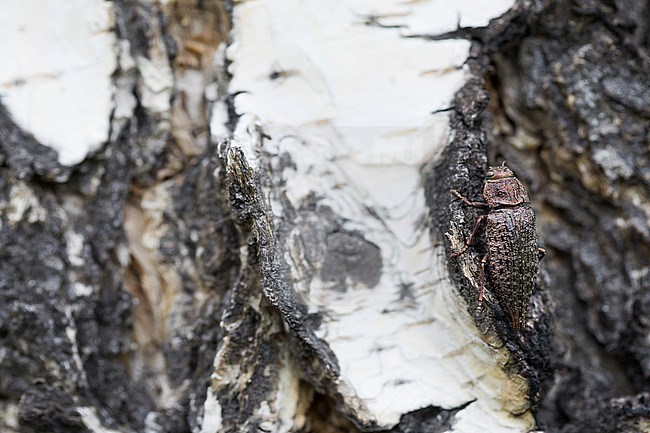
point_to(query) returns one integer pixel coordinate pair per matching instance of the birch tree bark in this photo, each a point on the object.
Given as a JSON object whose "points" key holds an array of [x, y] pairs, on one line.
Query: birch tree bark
{"points": [[236, 216]]}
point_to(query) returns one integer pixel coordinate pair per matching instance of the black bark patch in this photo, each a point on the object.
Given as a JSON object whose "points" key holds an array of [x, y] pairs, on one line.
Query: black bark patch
{"points": [[45, 408], [431, 419], [350, 260], [134, 22], [623, 414], [25, 156], [633, 92]]}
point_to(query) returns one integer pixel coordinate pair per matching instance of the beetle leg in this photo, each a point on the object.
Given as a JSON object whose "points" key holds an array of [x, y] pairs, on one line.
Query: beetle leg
{"points": [[470, 239], [467, 202], [482, 278], [542, 252]]}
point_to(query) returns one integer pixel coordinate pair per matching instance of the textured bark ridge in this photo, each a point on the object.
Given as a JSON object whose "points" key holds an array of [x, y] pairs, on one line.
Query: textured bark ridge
{"points": [[236, 258], [250, 205], [569, 103]]}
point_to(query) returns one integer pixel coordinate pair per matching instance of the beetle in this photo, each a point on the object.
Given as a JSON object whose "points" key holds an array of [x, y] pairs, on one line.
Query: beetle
{"points": [[513, 254]]}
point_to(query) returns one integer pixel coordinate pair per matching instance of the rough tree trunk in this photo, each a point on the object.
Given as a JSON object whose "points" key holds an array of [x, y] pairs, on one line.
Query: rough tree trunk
{"points": [[236, 217]]}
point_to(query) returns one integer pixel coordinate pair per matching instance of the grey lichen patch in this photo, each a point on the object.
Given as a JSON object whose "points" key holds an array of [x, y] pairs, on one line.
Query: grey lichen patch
{"points": [[633, 92], [351, 260], [613, 163]]}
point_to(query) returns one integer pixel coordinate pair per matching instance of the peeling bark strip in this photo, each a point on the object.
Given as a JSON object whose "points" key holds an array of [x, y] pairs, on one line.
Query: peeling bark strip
{"points": [[249, 203]]}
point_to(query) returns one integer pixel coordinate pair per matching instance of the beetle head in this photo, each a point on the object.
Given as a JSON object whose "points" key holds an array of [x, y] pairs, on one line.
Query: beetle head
{"points": [[499, 172], [502, 188]]}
